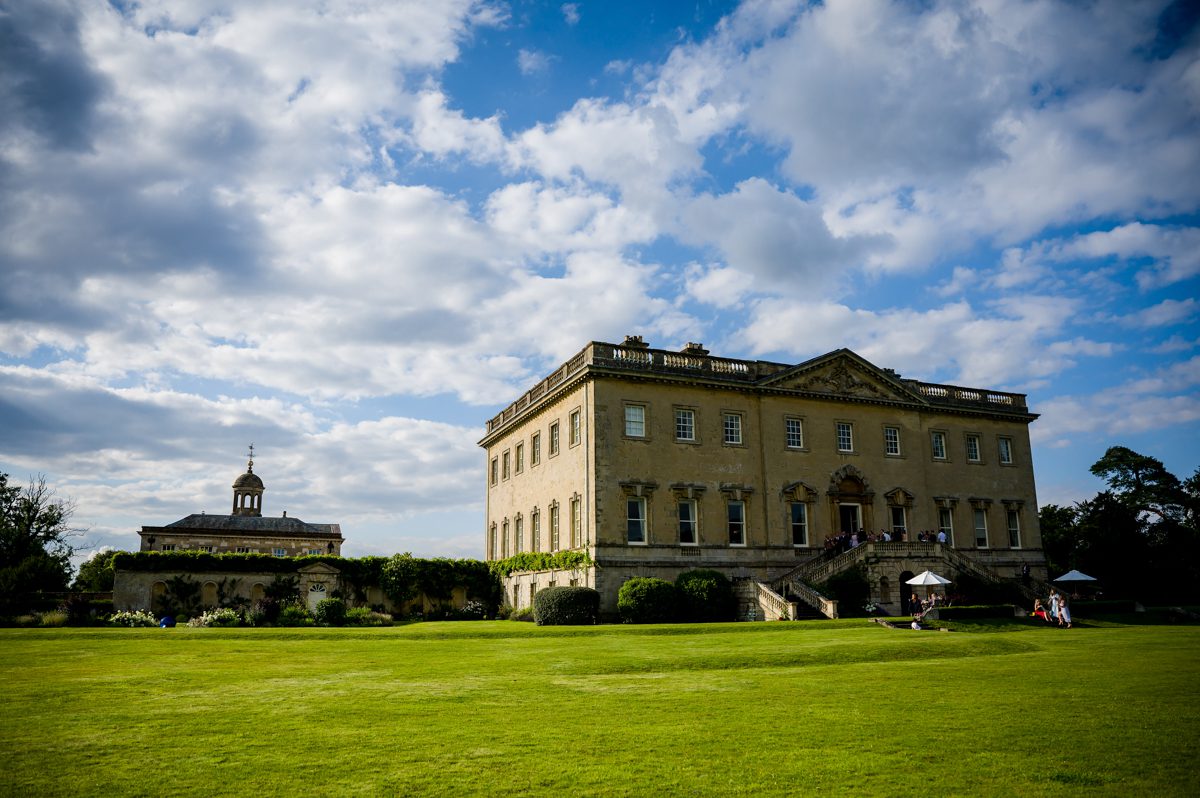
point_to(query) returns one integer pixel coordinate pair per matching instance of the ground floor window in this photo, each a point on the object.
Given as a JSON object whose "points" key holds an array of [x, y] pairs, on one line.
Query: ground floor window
{"points": [[799, 519], [736, 515], [946, 522], [981, 540], [1014, 529], [687, 522], [899, 523], [635, 520]]}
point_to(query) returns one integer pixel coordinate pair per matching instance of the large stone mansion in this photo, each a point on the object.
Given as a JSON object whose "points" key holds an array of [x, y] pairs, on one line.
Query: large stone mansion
{"points": [[655, 462]]}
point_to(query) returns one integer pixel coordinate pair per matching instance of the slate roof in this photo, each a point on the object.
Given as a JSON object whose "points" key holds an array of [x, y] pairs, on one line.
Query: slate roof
{"points": [[251, 525]]}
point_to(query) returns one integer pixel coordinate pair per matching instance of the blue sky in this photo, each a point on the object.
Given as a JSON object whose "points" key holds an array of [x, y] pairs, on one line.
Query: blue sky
{"points": [[351, 232]]}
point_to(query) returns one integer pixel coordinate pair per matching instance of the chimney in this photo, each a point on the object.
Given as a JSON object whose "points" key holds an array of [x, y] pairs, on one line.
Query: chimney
{"points": [[634, 342], [694, 349]]}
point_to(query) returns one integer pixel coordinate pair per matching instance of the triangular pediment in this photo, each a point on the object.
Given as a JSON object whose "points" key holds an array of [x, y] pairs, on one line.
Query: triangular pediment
{"points": [[843, 374]]}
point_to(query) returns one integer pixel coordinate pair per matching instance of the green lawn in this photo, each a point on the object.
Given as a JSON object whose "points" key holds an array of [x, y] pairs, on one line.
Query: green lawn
{"points": [[504, 708]]}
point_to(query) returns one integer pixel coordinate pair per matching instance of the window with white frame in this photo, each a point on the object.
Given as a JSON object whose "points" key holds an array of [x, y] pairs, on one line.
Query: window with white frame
{"points": [[535, 529], [554, 537], [733, 429], [535, 449], [576, 523], [1014, 529], [891, 441], [946, 522], [1006, 454], [635, 421], [505, 465], [687, 522], [168, 547], [899, 521], [937, 443], [518, 535], [279, 552], [973, 448], [635, 519], [799, 523], [685, 424], [576, 428], [736, 516], [845, 436], [793, 433], [554, 439], [981, 538], [520, 457]]}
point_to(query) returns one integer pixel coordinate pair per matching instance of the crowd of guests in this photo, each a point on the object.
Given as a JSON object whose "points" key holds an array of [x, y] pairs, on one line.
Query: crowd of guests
{"points": [[1057, 609], [836, 544]]}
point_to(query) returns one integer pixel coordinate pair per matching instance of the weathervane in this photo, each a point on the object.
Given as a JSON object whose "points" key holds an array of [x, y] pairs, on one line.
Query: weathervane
{"points": [[250, 465]]}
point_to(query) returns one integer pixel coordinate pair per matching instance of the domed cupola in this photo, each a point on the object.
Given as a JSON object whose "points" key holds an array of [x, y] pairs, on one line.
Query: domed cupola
{"points": [[248, 491]]}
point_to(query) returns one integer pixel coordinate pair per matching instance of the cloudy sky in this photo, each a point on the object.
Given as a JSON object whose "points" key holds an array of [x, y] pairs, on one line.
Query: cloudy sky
{"points": [[350, 232]]}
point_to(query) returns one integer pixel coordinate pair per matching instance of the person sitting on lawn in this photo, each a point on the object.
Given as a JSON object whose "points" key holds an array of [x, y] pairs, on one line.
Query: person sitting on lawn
{"points": [[1039, 611]]}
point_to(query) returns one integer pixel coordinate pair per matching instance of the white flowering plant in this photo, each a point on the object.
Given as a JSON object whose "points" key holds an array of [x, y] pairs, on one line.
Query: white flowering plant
{"points": [[132, 619], [221, 617]]}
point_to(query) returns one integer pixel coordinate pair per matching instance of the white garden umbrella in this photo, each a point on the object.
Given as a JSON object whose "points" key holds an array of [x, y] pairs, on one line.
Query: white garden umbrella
{"points": [[1075, 576], [928, 578]]}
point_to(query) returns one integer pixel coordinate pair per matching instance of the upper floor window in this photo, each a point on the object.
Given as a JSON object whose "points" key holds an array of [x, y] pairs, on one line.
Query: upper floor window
{"points": [[937, 442], [520, 457], [168, 547], [891, 441], [535, 529], [635, 519], [687, 522], [946, 523], [736, 516], [554, 439], [576, 428], [279, 552], [1006, 455], [793, 433], [635, 421], [518, 535], [246, 550], [899, 522], [504, 540], [685, 424], [973, 449], [535, 449], [505, 466], [495, 470], [845, 436], [733, 429]]}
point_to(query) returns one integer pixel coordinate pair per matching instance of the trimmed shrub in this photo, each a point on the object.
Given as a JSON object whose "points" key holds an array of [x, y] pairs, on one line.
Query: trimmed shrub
{"points": [[330, 612], [705, 595], [566, 606], [645, 599], [294, 615]]}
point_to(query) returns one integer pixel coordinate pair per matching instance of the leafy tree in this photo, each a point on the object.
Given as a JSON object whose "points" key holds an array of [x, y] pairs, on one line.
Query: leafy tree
{"points": [[1141, 482], [35, 536], [96, 573]]}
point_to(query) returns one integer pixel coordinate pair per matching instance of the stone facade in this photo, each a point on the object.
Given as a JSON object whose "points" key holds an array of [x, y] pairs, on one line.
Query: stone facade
{"points": [[656, 462]]}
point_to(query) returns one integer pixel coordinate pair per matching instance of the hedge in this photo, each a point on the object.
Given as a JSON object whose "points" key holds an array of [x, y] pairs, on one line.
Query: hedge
{"points": [[566, 606], [569, 560], [645, 599], [705, 595]]}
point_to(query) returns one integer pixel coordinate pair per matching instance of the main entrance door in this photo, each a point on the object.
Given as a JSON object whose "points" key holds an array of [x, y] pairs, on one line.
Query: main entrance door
{"points": [[849, 518]]}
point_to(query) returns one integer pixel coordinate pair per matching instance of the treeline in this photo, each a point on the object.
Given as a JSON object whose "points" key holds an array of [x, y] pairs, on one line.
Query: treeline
{"points": [[1140, 538]]}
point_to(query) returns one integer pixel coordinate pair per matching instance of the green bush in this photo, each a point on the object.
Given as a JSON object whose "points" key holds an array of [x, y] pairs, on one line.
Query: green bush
{"points": [[850, 589], [132, 619], [223, 617], [645, 599], [566, 606], [523, 614], [330, 612], [294, 615], [705, 595]]}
